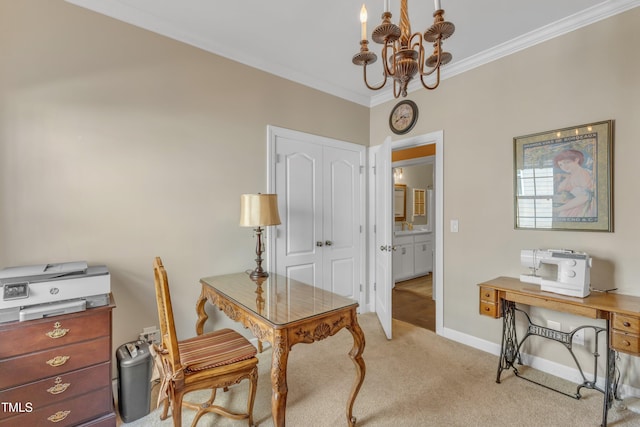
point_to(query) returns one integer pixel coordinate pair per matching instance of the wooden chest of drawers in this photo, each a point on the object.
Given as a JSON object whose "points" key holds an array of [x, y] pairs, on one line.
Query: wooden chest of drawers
{"points": [[57, 371]]}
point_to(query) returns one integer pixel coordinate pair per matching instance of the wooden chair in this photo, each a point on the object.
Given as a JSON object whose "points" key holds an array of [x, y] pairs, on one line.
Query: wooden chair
{"points": [[209, 361]]}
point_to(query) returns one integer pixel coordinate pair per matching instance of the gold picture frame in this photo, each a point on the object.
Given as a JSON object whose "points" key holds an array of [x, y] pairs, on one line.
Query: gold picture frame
{"points": [[400, 202], [563, 179]]}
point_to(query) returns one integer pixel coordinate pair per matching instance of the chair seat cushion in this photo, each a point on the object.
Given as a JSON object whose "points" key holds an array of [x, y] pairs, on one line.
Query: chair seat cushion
{"points": [[214, 349]]}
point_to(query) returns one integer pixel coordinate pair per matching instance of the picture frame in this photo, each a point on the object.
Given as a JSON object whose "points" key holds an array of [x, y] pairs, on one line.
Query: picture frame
{"points": [[563, 179]]}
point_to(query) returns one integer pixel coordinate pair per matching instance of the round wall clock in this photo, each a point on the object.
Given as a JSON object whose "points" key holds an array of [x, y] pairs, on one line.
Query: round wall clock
{"points": [[403, 117]]}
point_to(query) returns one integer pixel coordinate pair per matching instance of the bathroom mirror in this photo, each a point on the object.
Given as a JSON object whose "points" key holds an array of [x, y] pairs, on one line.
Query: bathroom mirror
{"points": [[400, 202]]}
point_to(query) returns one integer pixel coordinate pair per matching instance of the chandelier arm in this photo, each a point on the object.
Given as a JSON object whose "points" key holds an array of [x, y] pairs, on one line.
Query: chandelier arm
{"points": [[418, 36], [389, 69], [396, 94], [367, 83], [426, 86], [436, 67], [420, 47]]}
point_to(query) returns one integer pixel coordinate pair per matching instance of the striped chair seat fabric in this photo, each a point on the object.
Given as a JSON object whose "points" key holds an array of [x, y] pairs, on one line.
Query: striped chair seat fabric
{"points": [[214, 349]]}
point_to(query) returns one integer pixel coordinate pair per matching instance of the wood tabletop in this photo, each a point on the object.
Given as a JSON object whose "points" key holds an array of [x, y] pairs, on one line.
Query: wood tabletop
{"points": [[277, 299], [600, 301]]}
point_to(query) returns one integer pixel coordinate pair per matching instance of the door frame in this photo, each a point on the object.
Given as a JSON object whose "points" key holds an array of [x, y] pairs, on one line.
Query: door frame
{"points": [[273, 132], [436, 138]]}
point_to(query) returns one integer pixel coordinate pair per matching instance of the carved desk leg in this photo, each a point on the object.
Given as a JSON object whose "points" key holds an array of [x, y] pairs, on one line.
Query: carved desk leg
{"points": [[356, 356], [279, 388], [202, 314]]}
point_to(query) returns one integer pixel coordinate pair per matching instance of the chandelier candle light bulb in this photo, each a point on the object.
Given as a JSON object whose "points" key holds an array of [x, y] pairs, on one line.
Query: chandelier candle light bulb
{"points": [[363, 22]]}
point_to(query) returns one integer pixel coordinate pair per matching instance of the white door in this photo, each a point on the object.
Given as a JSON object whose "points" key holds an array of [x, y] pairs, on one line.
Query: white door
{"points": [[299, 244], [383, 235], [341, 224], [318, 182]]}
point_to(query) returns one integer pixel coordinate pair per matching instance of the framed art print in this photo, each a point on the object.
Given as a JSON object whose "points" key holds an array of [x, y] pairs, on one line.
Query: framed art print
{"points": [[563, 179]]}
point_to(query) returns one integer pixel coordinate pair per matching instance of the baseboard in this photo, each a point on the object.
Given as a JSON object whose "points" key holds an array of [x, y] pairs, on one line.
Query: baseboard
{"points": [[539, 363]]}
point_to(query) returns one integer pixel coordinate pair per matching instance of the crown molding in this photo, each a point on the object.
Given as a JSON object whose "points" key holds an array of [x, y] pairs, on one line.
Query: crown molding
{"points": [[142, 19]]}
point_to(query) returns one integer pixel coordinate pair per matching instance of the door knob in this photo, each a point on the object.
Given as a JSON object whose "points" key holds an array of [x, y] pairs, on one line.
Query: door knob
{"points": [[319, 243], [383, 248], [328, 243]]}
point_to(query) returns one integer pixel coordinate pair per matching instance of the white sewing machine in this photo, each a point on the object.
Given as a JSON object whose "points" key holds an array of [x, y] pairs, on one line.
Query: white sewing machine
{"points": [[573, 271]]}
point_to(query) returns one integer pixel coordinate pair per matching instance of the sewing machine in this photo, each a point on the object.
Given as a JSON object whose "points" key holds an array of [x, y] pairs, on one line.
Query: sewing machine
{"points": [[573, 276]]}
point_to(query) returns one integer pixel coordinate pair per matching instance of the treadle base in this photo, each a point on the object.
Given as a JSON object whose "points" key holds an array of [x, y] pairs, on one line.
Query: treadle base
{"points": [[510, 354]]}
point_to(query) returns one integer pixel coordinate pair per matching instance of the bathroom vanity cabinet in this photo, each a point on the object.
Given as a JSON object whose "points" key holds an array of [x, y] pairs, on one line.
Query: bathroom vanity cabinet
{"points": [[413, 254]]}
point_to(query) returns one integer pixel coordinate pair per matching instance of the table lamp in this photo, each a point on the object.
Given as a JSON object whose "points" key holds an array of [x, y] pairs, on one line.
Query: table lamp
{"points": [[259, 210]]}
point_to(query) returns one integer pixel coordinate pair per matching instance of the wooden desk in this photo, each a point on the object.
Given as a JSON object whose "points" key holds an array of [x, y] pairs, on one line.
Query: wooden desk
{"points": [[284, 313], [499, 296]]}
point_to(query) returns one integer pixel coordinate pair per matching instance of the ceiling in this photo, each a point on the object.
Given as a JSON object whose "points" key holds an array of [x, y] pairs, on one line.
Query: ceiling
{"points": [[312, 42]]}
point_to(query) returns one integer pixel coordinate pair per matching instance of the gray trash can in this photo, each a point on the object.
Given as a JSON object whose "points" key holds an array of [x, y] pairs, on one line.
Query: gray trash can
{"points": [[135, 366]]}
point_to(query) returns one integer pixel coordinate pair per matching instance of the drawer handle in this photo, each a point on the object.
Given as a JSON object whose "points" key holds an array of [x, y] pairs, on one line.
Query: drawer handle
{"points": [[58, 416], [58, 331], [487, 309], [487, 295], [59, 387], [626, 343], [626, 324], [58, 361]]}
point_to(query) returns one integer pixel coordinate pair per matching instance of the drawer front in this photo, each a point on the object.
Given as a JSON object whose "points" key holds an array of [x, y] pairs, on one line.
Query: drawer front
{"points": [[489, 309], [104, 421], [37, 335], [626, 323], [57, 361], [489, 295], [69, 412], [421, 238], [626, 343], [403, 240], [58, 388]]}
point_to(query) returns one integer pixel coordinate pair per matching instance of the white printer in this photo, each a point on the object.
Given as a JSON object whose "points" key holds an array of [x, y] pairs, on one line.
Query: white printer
{"points": [[44, 290]]}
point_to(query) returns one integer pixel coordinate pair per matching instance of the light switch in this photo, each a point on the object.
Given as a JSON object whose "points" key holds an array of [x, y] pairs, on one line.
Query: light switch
{"points": [[454, 225]]}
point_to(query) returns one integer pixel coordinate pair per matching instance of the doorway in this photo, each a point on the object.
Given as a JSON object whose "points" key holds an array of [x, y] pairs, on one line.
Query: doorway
{"points": [[412, 295]]}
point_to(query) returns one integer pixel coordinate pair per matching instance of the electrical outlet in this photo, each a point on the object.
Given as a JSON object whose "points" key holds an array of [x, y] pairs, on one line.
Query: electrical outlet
{"points": [[150, 334], [578, 337]]}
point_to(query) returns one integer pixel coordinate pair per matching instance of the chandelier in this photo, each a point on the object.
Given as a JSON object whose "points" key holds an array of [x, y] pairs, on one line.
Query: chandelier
{"points": [[403, 53]]}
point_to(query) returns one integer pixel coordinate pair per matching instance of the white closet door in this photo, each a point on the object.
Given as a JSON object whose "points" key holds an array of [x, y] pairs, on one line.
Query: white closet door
{"points": [[299, 189], [341, 228], [318, 184]]}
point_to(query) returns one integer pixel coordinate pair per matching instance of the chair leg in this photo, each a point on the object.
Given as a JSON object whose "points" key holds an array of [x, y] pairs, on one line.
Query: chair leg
{"points": [[165, 408], [253, 385], [176, 408]]}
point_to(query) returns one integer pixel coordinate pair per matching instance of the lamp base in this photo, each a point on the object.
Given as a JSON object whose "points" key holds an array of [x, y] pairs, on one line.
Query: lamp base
{"points": [[258, 273]]}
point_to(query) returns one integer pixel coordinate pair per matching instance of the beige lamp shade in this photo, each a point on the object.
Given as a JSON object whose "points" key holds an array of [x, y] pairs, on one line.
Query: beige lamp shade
{"points": [[259, 210]]}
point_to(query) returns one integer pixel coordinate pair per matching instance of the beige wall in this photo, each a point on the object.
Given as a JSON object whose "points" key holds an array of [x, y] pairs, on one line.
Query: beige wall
{"points": [[117, 145], [586, 76]]}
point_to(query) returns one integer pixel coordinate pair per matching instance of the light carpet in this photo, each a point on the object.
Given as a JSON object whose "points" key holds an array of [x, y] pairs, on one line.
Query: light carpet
{"points": [[416, 379]]}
